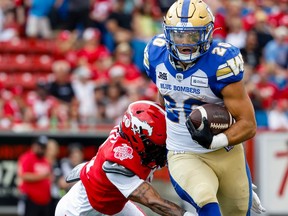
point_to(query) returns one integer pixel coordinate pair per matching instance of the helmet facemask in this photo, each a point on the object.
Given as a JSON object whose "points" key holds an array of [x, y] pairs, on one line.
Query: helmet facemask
{"points": [[153, 155], [188, 28], [197, 41]]}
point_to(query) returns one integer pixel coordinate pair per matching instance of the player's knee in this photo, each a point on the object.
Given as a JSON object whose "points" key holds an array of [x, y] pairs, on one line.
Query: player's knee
{"points": [[235, 210], [204, 194]]}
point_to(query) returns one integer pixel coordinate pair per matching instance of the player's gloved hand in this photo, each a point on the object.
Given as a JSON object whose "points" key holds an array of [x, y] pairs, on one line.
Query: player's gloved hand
{"points": [[256, 203], [204, 137]]}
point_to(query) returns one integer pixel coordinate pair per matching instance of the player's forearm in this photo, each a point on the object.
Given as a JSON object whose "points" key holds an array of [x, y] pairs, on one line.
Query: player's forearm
{"points": [[165, 207], [245, 130], [148, 196]]}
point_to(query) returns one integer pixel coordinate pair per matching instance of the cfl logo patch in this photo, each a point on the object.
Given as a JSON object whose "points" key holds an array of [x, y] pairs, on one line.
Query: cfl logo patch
{"points": [[162, 76]]}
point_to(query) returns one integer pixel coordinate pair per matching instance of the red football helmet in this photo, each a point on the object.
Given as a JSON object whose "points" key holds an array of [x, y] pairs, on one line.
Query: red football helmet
{"points": [[144, 125]]}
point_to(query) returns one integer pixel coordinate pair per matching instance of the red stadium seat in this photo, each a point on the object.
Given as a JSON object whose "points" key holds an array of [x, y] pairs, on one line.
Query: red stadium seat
{"points": [[26, 80], [14, 46], [41, 46], [42, 63], [7, 79]]}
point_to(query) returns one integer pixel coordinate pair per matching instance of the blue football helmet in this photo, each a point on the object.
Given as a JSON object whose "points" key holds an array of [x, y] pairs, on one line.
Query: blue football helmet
{"points": [[188, 28]]}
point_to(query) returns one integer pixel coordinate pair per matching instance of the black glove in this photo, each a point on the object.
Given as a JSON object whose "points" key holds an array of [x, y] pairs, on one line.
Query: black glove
{"points": [[203, 137]]}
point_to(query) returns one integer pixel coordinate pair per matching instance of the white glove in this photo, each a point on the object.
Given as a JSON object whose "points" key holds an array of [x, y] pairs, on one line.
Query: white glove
{"points": [[256, 203]]}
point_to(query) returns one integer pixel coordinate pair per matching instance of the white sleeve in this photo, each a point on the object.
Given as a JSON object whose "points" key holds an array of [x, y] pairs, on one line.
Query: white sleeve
{"points": [[126, 185]]}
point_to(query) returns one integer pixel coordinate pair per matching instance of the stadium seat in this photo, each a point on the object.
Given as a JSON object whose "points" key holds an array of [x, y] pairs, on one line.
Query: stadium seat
{"points": [[42, 63], [41, 46], [7, 79], [27, 80], [14, 46]]}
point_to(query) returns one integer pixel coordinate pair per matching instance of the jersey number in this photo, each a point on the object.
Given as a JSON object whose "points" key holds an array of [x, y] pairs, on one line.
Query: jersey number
{"points": [[173, 111]]}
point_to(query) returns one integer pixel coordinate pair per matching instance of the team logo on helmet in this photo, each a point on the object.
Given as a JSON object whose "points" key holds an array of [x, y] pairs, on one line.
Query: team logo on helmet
{"points": [[123, 152], [136, 124]]}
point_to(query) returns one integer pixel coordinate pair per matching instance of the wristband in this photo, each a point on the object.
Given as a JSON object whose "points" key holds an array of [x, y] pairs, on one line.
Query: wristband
{"points": [[188, 214], [219, 141]]}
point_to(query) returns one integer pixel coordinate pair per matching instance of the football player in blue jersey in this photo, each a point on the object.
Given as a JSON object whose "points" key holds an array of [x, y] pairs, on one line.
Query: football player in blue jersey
{"points": [[191, 69]]}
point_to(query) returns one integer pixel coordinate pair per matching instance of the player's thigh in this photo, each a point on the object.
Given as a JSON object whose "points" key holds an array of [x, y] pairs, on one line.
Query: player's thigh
{"points": [[192, 178], [234, 186], [131, 209]]}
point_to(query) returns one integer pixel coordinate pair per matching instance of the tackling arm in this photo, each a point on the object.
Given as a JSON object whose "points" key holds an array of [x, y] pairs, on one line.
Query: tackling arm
{"points": [[148, 196], [136, 189]]}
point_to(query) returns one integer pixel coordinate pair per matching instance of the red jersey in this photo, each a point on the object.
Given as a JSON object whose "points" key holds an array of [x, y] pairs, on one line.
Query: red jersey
{"points": [[37, 191], [102, 194]]}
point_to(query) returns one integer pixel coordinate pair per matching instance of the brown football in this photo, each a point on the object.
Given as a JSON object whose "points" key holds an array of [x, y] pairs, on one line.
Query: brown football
{"points": [[219, 118]]}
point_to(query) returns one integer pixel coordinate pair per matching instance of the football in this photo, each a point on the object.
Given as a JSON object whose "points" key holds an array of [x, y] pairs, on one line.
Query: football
{"points": [[219, 118]]}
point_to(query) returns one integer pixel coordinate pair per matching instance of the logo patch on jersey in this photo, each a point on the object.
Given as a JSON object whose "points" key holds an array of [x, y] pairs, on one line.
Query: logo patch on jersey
{"points": [[123, 152], [162, 76], [179, 77], [199, 81]]}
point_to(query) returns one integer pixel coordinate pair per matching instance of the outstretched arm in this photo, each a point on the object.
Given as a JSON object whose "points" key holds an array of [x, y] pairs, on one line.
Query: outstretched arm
{"points": [[148, 196], [140, 191]]}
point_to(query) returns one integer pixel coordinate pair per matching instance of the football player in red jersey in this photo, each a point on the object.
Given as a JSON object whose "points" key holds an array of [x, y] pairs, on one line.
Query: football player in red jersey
{"points": [[123, 168]]}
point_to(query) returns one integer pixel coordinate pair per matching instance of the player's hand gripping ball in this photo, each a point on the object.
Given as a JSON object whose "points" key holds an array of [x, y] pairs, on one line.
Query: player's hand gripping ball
{"points": [[218, 118]]}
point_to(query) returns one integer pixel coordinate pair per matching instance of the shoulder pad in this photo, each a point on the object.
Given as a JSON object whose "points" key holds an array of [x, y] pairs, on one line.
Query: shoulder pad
{"points": [[111, 167], [74, 174]]}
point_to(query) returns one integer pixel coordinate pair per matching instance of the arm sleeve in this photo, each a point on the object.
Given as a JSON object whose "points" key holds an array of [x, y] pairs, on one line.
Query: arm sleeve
{"points": [[126, 185]]}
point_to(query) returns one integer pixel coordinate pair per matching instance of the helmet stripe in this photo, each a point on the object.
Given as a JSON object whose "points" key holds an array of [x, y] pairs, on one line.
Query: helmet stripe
{"points": [[185, 11]]}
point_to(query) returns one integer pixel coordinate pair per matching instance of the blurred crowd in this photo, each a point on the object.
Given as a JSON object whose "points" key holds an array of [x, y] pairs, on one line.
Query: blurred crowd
{"points": [[95, 55], [41, 175]]}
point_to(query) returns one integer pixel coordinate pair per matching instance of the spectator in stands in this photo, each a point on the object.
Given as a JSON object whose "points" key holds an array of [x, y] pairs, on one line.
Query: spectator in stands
{"points": [[84, 87], [75, 157], [123, 58], [61, 87], [78, 14], [266, 89], [117, 102], [9, 28], [92, 47], [118, 25], [276, 50], [38, 24], [51, 154], [66, 47], [279, 15], [40, 107], [34, 174], [145, 24], [236, 35], [101, 67], [251, 53], [100, 11], [13, 107], [250, 80], [100, 103], [278, 116], [261, 28]]}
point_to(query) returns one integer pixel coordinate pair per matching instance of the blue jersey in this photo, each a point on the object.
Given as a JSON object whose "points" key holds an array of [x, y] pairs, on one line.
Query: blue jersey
{"points": [[184, 90]]}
